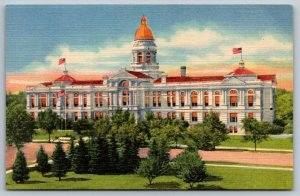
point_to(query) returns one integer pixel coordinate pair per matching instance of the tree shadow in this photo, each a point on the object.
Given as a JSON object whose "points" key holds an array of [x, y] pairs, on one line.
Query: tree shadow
{"points": [[164, 185], [75, 179], [207, 187], [34, 182], [213, 178], [49, 175]]}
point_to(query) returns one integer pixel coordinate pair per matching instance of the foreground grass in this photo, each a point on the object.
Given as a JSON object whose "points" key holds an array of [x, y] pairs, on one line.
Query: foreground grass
{"points": [[273, 143], [220, 178], [41, 134]]}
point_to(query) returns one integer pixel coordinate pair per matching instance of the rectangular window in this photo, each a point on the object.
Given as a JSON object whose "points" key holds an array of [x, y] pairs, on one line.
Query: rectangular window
{"points": [[84, 100], [194, 117], [250, 101], [159, 99], [206, 100], [233, 117], [217, 101], [147, 99], [174, 115], [169, 98], [154, 99], [174, 98], [75, 116], [43, 98], [182, 115], [206, 114], [233, 101], [182, 98], [250, 115]]}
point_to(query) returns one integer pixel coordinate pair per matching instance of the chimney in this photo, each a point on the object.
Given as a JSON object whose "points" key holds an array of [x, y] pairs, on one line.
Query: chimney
{"points": [[183, 71]]}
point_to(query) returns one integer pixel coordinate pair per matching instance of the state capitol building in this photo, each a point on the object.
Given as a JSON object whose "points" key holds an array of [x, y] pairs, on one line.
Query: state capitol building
{"points": [[144, 88]]}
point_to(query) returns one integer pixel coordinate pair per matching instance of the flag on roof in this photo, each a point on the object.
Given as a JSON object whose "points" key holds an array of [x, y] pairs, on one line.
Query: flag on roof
{"points": [[237, 50], [61, 61]]}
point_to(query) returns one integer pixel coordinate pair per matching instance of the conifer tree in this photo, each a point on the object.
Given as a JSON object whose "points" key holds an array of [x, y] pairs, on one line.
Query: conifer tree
{"points": [[113, 156], [60, 163], [130, 158], [20, 171], [42, 161], [98, 163], [70, 154], [80, 160]]}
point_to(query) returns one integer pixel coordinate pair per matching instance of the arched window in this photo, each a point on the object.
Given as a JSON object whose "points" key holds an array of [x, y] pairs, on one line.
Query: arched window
{"points": [[54, 100], [174, 115], [85, 115], [32, 100], [125, 84], [217, 98], [140, 58], [233, 98], [84, 100], [125, 97], [194, 117], [169, 115], [43, 100], [182, 115], [194, 98], [148, 58], [75, 116], [98, 115], [206, 97], [171, 98], [250, 98], [76, 100], [98, 99], [182, 98], [158, 115]]}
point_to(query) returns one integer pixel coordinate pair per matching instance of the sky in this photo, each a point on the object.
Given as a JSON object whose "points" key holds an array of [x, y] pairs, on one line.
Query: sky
{"points": [[96, 40]]}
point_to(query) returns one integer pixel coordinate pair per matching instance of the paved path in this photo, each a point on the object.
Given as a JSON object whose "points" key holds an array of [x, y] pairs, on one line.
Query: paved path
{"points": [[252, 149], [246, 157]]}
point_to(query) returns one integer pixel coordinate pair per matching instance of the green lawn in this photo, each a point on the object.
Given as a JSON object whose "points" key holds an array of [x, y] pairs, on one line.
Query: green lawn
{"points": [[220, 178], [41, 134], [275, 143]]}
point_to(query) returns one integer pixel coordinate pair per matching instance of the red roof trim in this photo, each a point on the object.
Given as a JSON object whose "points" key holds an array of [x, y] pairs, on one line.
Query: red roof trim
{"points": [[267, 77], [46, 84], [88, 82], [191, 79], [139, 74], [241, 71], [65, 78]]}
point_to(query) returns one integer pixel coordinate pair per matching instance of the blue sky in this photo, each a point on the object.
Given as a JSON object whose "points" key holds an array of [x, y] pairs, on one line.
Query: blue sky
{"points": [[99, 37]]}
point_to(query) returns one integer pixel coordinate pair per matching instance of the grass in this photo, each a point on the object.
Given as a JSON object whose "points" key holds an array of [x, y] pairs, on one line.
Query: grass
{"points": [[272, 143], [41, 134], [220, 178]]}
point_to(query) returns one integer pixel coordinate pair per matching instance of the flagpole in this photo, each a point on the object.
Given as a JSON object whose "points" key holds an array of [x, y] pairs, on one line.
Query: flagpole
{"points": [[65, 108]]}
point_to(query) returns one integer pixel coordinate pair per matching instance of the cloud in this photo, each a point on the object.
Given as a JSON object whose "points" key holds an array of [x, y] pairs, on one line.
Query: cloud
{"points": [[191, 38]]}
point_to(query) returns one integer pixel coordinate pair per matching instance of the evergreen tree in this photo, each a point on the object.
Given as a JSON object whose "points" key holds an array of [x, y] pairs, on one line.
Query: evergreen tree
{"points": [[70, 154], [129, 159], [20, 171], [60, 163], [42, 161], [153, 149], [113, 156], [99, 160], [80, 160]]}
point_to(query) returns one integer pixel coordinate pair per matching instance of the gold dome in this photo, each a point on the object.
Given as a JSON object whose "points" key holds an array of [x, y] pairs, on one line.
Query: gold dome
{"points": [[143, 32]]}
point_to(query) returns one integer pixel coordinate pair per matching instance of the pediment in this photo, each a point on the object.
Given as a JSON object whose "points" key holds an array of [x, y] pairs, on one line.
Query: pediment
{"points": [[232, 81], [123, 75]]}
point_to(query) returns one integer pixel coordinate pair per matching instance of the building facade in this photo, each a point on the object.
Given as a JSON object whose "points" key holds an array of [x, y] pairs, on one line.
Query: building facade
{"points": [[144, 88]]}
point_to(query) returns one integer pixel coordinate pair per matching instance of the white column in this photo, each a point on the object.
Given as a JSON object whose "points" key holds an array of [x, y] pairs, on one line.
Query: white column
{"points": [[257, 100], [200, 98], [88, 100], [28, 104], [210, 98]]}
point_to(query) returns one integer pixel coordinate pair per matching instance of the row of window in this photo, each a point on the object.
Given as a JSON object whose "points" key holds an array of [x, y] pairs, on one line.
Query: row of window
{"points": [[156, 99]]}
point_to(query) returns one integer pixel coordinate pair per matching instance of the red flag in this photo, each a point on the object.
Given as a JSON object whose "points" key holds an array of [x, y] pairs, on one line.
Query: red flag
{"points": [[61, 61], [61, 93], [236, 50]]}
